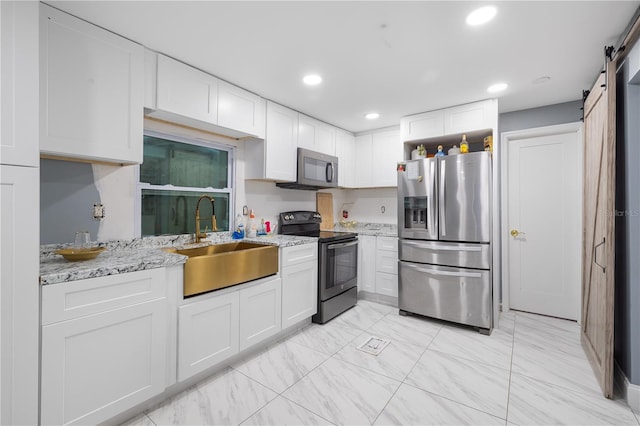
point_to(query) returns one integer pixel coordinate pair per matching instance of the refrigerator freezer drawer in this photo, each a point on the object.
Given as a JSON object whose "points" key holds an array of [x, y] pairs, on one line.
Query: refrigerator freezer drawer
{"points": [[458, 295], [468, 255]]}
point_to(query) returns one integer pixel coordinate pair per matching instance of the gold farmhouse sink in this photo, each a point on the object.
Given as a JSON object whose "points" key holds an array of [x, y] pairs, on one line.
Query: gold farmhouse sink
{"points": [[223, 265]]}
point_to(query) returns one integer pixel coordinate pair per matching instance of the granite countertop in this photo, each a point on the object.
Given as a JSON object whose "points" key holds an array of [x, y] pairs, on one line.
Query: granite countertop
{"points": [[367, 228], [124, 256]]}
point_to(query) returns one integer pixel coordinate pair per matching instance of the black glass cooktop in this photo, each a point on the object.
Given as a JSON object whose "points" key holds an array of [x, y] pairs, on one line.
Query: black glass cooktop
{"points": [[307, 224]]}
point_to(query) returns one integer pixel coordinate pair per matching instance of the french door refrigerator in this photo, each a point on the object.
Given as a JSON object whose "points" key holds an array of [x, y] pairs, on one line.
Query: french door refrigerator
{"points": [[444, 226]]}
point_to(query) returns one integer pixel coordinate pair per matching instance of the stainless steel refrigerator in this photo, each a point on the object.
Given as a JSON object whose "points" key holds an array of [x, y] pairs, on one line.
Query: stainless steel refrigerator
{"points": [[444, 225]]}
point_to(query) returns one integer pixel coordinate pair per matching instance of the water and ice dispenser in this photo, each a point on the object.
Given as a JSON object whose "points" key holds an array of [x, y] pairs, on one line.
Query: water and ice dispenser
{"points": [[415, 212]]}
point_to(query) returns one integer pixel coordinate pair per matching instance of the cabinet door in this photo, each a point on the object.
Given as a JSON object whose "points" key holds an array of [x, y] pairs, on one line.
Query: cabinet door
{"points": [[186, 91], [150, 79], [91, 91], [19, 293], [387, 261], [366, 263], [19, 83], [207, 333], [386, 152], [299, 292], [98, 366], [260, 312], [466, 118], [325, 138], [281, 143], [306, 132], [345, 151], [240, 110], [363, 149], [422, 126], [387, 284]]}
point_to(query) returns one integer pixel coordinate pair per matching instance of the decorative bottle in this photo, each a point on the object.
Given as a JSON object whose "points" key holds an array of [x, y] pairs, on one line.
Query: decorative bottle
{"points": [[464, 145]]}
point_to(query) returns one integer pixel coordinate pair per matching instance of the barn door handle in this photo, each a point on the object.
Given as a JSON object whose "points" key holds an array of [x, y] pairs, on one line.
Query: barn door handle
{"points": [[595, 255]]}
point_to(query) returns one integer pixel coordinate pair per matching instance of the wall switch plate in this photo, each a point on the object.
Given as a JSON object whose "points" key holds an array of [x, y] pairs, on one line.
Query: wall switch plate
{"points": [[98, 211]]}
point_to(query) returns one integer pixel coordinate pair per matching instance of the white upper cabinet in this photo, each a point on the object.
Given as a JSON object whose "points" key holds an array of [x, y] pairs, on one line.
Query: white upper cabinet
{"points": [[422, 126], [240, 110], [345, 151], [459, 119], [19, 85], [91, 91], [150, 79], [186, 91], [188, 96], [274, 158], [315, 135], [377, 155], [362, 167], [386, 152], [470, 117]]}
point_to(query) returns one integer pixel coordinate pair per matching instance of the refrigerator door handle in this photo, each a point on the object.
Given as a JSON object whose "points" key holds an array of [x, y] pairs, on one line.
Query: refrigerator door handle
{"points": [[442, 247], [432, 201], [442, 200], [463, 274]]}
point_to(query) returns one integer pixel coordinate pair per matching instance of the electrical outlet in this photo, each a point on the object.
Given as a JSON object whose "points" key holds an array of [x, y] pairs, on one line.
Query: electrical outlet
{"points": [[98, 211]]}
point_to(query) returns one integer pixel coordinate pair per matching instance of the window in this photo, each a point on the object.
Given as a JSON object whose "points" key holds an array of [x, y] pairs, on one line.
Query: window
{"points": [[175, 172]]}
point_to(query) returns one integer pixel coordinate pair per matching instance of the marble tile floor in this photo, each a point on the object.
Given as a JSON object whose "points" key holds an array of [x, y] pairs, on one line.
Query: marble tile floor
{"points": [[530, 371]]}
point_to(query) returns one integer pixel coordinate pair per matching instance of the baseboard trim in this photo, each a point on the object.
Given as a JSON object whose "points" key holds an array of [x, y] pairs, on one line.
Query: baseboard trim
{"points": [[629, 391]]}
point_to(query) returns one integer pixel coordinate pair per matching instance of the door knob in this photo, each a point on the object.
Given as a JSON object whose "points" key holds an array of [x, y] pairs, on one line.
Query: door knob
{"points": [[515, 233]]}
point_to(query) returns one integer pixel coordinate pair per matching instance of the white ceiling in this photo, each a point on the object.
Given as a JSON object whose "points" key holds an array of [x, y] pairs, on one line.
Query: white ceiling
{"points": [[396, 58]]}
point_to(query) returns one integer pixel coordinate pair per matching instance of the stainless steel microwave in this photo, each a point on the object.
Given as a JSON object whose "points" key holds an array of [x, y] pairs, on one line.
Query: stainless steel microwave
{"points": [[315, 171]]}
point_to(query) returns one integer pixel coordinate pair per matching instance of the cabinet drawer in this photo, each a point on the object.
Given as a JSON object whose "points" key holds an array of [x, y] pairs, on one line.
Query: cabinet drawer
{"points": [[387, 261], [387, 244], [298, 254], [387, 284], [75, 299]]}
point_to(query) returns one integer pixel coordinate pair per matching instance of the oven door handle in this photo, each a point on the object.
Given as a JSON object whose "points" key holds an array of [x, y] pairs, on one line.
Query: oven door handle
{"points": [[341, 245]]}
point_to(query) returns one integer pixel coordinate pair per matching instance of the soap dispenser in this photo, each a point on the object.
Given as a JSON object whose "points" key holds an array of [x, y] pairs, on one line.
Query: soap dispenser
{"points": [[252, 227]]}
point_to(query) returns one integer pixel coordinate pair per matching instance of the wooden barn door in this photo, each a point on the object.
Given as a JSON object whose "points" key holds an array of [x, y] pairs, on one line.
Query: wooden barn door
{"points": [[598, 227]]}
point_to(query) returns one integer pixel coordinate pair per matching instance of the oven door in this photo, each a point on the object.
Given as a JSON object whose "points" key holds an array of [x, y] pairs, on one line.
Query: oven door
{"points": [[338, 266]]}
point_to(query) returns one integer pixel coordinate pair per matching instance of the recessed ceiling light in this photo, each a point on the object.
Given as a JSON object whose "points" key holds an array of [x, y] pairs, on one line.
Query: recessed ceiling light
{"points": [[312, 79], [372, 116], [498, 87], [481, 15]]}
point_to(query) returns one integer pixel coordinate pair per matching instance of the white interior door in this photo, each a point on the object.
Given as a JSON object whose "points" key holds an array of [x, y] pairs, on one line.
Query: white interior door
{"points": [[544, 219]]}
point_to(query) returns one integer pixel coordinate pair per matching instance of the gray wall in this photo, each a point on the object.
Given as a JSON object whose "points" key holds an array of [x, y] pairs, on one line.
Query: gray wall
{"points": [[67, 194], [568, 112], [627, 291]]}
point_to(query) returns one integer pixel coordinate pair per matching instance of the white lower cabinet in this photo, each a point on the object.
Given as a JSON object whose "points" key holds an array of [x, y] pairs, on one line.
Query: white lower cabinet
{"points": [[366, 269], [260, 312], [99, 365], [221, 325], [378, 265], [208, 332], [299, 270], [387, 266]]}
